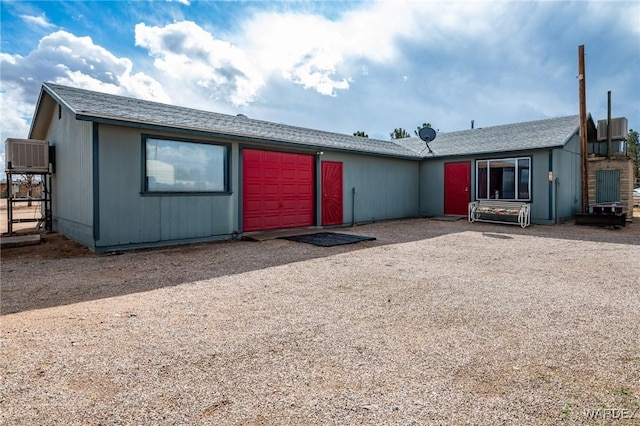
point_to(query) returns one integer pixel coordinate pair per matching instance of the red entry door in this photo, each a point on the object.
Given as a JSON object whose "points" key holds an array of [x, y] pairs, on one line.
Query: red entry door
{"points": [[457, 180], [332, 193]]}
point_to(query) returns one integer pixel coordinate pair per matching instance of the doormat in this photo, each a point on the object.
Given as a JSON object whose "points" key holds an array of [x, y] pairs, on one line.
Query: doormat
{"points": [[328, 239]]}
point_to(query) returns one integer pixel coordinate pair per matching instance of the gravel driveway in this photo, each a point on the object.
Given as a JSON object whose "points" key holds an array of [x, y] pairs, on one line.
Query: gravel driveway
{"points": [[433, 323]]}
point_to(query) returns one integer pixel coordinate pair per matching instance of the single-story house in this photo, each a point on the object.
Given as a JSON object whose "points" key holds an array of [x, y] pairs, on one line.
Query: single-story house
{"points": [[131, 173]]}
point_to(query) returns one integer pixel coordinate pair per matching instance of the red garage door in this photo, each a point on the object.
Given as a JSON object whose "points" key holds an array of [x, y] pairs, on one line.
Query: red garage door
{"points": [[277, 190]]}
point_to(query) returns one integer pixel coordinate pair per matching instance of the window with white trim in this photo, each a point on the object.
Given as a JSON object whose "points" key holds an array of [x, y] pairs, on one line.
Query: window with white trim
{"points": [[184, 166], [504, 179]]}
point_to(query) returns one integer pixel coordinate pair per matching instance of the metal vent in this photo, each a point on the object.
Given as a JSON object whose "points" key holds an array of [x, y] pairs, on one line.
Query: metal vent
{"points": [[27, 156], [607, 186], [619, 128]]}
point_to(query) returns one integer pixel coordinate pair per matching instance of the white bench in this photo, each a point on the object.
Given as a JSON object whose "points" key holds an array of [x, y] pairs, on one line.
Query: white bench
{"points": [[497, 208]]}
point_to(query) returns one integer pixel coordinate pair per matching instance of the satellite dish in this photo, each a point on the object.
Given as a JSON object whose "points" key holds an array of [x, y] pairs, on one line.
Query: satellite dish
{"points": [[427, 134]]}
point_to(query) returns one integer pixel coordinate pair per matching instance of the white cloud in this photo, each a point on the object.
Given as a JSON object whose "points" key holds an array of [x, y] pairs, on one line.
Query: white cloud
{"points": [[16, 115], [40, 21], [627, 16], [306, 49], [63, 58], [15, 112], [443, 54], [383, 64], [320, 53], [185, 51]]}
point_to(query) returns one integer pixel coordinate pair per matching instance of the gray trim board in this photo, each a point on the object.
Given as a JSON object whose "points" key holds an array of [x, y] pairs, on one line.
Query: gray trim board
{"points": [[96, 182], [164, 243], [550, 187], [495, 155]]}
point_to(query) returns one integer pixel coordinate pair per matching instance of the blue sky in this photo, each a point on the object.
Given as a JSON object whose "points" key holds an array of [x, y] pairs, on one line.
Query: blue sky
{"points": [[334, 65]]}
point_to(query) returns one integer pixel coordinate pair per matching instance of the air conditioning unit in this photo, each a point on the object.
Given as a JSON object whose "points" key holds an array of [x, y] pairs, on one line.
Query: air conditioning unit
{"points": [[619, 129], [26, 156], [618, 147]]}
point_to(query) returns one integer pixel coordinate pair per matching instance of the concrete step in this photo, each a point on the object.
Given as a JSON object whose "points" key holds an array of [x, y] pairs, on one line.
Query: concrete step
{"points": [[20, 240]]}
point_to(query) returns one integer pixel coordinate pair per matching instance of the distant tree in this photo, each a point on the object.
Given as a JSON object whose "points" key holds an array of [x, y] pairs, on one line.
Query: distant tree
{"points": [[29, 183], [361, 134], [420, 127], [399, 133], [633, 149]]}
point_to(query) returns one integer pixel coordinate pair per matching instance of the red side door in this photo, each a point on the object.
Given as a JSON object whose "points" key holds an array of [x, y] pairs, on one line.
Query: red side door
{"points": [[332, 193], [457, 180], [277, 190]]}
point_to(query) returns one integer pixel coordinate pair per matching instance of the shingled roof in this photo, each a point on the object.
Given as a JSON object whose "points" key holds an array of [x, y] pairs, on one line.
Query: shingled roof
{"points": [[102, 107], [540, 134], [96, 106]]}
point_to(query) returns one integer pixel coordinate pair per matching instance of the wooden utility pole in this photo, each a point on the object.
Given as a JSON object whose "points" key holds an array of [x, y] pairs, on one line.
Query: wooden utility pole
{"points": [[609, 124], [583, 129]]}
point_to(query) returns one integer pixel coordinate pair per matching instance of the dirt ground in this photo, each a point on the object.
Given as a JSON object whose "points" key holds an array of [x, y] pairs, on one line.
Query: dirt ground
{"points": [[20, 211], [53, 246], [56, 246], [434, 322], [127, 271]]}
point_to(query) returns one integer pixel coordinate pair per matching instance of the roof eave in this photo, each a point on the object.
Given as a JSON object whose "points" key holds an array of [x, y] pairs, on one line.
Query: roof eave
{"points": [[37, 114], [571, 135], [494, 153], [233, 136], [590, 124], [57, 98], [47, 99]]}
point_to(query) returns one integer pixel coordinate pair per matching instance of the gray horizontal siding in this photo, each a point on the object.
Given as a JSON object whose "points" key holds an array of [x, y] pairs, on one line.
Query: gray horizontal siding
{"points": [[432, 187], [72, 182], [128, 217], [385, 188]]}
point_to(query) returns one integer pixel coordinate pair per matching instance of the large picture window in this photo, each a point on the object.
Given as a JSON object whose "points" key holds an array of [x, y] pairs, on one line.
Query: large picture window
{"points": [[182, 166], [503, 179]]}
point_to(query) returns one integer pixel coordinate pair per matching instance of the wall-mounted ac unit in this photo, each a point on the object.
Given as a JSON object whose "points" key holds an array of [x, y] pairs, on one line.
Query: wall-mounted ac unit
{"points": [[26, 156], [618, 129]]}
